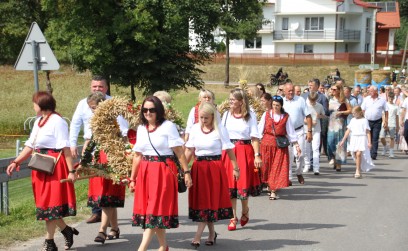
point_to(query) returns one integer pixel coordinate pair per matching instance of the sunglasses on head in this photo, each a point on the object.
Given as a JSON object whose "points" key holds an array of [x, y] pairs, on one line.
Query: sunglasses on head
{"points": [[151, 110], [277, 97]]}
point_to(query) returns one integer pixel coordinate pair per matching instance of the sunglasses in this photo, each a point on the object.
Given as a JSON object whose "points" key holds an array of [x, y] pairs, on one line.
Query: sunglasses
{"points": [[151, 110], [277, 97], [333, 89]]}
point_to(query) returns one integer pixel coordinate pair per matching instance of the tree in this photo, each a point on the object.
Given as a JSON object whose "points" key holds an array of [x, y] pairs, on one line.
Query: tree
{"points": [[240, 19], [138, 43]]}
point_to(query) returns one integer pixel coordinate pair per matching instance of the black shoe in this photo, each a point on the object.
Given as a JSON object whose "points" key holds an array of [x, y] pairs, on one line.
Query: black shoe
{"points": [[68, 234], [49, 245], [316, 173], [211, 243], [373, 158], [101, 237]]}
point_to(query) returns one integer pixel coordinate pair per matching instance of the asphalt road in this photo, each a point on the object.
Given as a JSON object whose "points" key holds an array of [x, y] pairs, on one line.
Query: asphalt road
{"points": [[332, 211]]}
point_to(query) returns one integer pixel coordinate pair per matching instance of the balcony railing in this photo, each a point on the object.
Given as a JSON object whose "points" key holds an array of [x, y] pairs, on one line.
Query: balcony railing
{"points": [[317, 35], [267, 27]]}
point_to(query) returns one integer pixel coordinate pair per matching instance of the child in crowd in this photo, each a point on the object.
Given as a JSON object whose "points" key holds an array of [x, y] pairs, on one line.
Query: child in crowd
{"points": [[312, 148], [360, 142], [393, 126]]}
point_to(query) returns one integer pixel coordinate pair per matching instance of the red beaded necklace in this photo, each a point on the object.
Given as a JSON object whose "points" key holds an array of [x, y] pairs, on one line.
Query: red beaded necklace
{"points": [[237, 117], [45, 120], [202, 129], [154, 129]]}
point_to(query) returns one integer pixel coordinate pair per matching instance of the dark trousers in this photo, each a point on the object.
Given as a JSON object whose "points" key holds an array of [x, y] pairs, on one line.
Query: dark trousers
{"points": [[375, 126], [406, 130], [97, 210]]}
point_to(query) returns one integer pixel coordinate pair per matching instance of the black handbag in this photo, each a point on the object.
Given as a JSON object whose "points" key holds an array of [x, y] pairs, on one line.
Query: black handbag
{"points": [[281, 141], [180, 174]]}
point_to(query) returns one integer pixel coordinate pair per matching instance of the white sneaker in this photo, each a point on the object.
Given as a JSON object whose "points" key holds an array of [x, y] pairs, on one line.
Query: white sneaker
{"points": [[384, 151], [305, 169], [391, 153], [331, 162]]}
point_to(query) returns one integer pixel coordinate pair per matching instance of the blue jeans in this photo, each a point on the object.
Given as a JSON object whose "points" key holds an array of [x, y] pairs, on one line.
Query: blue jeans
{"points": [[375, 126], [96, 210], [406, 130]]}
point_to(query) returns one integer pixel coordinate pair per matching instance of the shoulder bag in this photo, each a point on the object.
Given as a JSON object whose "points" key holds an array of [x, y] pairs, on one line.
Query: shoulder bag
{"points": [[281, 141], [180, 174]]}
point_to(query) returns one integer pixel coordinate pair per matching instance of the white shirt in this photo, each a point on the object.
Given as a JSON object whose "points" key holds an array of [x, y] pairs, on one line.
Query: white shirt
{"points": [[373, 108], [405, 106], [191, 119], [239, 128], [358, 127], [297, 110], [209, 144], [53, 135], [163, 139], [315, 110], [392, 114], [82, 116], [290, 130]]}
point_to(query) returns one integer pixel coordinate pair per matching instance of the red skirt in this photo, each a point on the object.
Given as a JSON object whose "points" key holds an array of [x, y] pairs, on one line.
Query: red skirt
{"points": [[275, 164], [53, 199], [208, 198], [156, 195], [248, 182], [103, 193]]}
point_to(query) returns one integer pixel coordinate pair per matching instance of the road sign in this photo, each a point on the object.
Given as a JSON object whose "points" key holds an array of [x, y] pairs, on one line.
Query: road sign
{"points": [[43, 53], [369, 67]]}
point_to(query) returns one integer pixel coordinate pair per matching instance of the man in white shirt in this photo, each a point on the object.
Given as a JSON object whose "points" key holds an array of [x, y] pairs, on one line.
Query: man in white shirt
{"points": [[404, 118], [357, 94], [296, 107], [373, 106]]}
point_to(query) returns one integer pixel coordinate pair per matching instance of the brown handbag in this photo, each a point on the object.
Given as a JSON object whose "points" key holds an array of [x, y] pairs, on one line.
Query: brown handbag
{"points": [[43, 162]]}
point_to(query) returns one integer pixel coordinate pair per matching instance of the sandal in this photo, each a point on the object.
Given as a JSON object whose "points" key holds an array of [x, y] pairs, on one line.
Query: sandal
{"points": [[358, 176], [244, 218], [211, 243], [113, 234], [101, 237], [233, 224], [273, 196]]}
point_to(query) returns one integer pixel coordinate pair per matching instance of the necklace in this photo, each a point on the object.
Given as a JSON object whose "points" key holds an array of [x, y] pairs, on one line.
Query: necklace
{"points": [[202, 129], [152, 130], [237, 117], [45, 120]]}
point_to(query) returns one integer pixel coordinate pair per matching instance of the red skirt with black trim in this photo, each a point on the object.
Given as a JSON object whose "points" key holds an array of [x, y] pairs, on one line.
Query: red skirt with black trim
{"points": [[208, 198], [156, 196], [53, 199], [102, 192], [248, 182]]}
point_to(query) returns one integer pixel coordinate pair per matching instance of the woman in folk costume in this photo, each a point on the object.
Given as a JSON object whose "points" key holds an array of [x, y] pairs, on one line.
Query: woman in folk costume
{"points": [[206, 96], [275, 160], [209, 199], [154, 173], [102, 192], [53, 200], [241, 125]]}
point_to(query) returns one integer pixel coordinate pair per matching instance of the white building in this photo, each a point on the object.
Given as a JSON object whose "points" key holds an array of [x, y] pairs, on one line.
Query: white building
{"points": [[312, 26]]}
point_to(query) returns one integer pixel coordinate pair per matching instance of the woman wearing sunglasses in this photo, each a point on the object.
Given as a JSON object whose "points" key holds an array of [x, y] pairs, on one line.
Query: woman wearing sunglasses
{"points": [[339, 108], [153, 177], [275, 168], [242, 128]]}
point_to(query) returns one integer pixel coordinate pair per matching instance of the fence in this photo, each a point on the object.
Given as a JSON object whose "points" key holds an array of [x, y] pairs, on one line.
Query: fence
{"points": [[308, 59]]}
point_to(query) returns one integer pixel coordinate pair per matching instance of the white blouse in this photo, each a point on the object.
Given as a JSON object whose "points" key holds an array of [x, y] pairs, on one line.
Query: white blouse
{"points": [[209, 144], [163, 139], [239, 128], [191, 119], [53, 135], [290, 130], [358, 127]]}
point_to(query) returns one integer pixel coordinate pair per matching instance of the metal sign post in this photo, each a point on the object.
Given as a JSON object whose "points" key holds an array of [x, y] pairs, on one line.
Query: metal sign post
{"points": [[38, 57]]}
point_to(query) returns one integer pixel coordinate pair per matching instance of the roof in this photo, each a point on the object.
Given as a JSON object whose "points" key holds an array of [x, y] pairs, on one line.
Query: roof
{"points": [[389, 20], [362, 4]]}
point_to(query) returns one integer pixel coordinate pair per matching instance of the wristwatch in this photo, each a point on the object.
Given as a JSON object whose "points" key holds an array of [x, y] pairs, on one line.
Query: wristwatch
{"points": [[257, 154]]}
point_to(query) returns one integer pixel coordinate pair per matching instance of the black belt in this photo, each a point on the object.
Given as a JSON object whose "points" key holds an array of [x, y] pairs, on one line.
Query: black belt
{"points": [[375, 120], [300, 127], [212, 157], [241, 141], [154, 158], [47, 150]]}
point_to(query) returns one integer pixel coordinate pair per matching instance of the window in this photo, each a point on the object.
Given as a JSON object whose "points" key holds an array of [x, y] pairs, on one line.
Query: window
{"points": [[342, 24], [314, 23], [285, 23], [255, 43], [303, 48], [367, 47], [346, 48], [368, 24]]}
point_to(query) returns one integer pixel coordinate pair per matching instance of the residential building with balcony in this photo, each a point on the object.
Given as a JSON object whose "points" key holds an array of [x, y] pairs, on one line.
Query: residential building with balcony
{"points": [[312, 26]]}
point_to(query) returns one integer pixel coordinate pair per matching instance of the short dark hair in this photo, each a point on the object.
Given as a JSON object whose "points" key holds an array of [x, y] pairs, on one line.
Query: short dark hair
{"points": [[262, 87], [99, 78], [267, 96], [160, 116], [45, 101]]}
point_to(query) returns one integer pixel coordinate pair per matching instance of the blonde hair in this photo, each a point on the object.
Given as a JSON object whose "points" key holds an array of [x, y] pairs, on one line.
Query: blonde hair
{"points": [[206, 93], [255, 92], [210, 109], [96, 97], [339, 87], [358, 111], [163, 96], [240, 95], [313, 96]]}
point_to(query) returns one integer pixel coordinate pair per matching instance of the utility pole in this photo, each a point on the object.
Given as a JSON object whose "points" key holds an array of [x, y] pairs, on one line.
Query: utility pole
{"points": [[403, 54]]}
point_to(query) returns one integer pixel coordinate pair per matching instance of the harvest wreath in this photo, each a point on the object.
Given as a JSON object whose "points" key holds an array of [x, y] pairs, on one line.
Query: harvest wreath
{"points": [[108, 137]]}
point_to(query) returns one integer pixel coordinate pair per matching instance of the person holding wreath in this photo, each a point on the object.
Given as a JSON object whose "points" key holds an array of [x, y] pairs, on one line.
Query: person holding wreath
{"points": [[209, 198], [241, 125], [53, 200], [154, 173]]}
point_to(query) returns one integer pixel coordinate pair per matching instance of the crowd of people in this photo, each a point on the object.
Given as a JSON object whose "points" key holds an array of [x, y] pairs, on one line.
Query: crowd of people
{"points": [[234, 156]]}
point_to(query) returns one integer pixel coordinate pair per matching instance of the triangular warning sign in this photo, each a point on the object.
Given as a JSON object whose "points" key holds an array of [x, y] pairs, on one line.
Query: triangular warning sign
{"points": [[45, 57]]}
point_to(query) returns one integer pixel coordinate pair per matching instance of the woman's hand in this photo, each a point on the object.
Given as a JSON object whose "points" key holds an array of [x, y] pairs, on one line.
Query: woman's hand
{"points": [[299, 152], [258, 162], [341, 143], [11, 167], [236, 173], [72, 177], [369, 145], [132, 186], [187, 180]]}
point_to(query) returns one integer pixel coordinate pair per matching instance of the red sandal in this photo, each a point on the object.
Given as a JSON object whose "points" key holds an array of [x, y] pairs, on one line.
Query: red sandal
{"points": [[244, 218], [233, 224]]}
